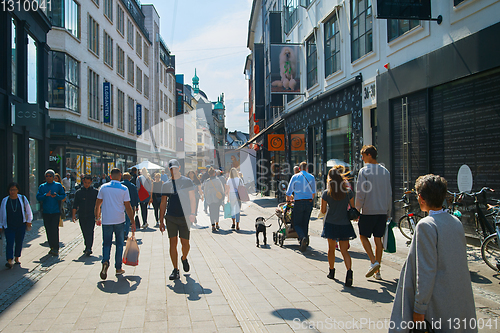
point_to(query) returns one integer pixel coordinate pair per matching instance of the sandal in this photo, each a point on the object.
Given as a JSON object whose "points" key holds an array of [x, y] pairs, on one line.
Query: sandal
{"points": [[9, 266]]}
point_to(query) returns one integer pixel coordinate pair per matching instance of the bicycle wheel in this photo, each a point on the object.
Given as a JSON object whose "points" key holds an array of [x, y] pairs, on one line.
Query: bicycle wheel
{"points": [[490, 251], [408, 233]]}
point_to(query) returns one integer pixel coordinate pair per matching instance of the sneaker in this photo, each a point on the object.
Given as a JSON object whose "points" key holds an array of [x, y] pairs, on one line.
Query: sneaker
{"points": [[331, 274], [120, 271], [185, 264], [104, 270], [175, 275], [303, 244], [157, 225], [377, 276], [373, 268], [348, 279], [145, 225]]}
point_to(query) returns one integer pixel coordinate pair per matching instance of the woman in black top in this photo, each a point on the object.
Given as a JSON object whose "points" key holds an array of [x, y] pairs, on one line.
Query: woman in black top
{"points": [[198, 193], [15, 217], [156, 197], [338, 227]]}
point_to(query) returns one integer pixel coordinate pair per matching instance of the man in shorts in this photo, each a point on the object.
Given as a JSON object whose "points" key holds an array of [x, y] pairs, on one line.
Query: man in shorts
{"points": [[374, 202], [178, 193]]}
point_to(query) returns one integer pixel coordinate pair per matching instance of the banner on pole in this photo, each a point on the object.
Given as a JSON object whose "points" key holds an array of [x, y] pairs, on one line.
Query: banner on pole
{"points": [[107, 102], [139, 119]]}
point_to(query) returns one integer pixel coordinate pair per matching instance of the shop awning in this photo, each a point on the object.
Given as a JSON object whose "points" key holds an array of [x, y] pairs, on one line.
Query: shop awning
{"points": [[270, 128]]}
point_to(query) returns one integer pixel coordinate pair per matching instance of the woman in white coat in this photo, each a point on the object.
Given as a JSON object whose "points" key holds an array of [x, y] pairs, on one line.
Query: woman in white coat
{"points": [[15, 217], [232, 196]]}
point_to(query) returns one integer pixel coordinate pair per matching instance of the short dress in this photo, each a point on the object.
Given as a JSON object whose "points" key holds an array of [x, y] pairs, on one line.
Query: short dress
{"points": [[337, 224]]}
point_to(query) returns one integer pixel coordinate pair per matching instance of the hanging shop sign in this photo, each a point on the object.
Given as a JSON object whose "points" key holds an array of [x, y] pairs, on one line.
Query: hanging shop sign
{"points": [[285, 69], [276, 142], [106, 93], [25, 114], [139, 119], [298, 142], [404, 9]]}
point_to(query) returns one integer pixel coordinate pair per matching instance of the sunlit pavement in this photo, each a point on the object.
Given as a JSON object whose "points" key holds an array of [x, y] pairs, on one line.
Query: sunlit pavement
{"points": [[232, 286]]}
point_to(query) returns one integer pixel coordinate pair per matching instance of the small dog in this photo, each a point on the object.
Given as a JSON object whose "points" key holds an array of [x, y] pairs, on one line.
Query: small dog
{"points": [[260, 226], [288, 71]]}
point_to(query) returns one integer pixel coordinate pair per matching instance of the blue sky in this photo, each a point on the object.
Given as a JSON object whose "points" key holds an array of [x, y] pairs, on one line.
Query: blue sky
{"points": [[210, 36]]}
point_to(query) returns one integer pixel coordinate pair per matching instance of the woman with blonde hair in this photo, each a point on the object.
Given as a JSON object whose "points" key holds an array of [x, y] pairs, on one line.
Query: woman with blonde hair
{"points": [[145, 180], [337, 227], [232, 196]]}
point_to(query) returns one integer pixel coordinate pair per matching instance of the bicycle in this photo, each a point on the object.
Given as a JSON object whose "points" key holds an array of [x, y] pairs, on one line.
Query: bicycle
{"points": [[455, 202], [490, 248], [484, 228], [409, 217]]}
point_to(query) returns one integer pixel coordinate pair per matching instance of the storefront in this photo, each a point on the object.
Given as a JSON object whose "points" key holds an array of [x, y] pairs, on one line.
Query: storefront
{"points": [[441, 122]]}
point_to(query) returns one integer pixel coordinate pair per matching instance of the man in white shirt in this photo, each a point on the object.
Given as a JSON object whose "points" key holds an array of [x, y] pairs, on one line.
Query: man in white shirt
{"points": [[114, 199], [66, 182]]}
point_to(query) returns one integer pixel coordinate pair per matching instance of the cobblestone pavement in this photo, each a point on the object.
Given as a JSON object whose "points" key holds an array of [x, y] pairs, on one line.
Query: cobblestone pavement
{"points": [[233, 286]]}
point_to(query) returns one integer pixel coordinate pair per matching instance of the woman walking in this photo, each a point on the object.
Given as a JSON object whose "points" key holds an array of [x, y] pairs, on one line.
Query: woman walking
{"points": [[213, 195], [338, 228], [156, 197], [198, 194], [15, 217], [232, 196], [145, 180]]}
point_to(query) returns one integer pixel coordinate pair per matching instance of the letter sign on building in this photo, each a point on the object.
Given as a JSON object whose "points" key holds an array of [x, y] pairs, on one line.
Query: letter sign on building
{"points": [[107, 102], [139, 119]]}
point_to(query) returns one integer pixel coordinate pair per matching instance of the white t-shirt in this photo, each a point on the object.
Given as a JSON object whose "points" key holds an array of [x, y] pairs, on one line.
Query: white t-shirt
{"points": [[233, 184], [113, 195]]}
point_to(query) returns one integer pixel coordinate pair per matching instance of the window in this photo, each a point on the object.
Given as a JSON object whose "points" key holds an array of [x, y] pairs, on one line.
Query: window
{"points": [[161, 74], [146, 53], [312, 62], [396, 28], [65, 14], [93, 93], [121, 110], [111, 106], [165, 103], [130, 33], [291, 14], [64, 81], [130, 71], [13, 47], [146, 86], [108, 50], [200, 138], [138, 77], [120, 24], [361, 28], [138, 44], [170, 82], [161, 101], [93, 36], [146, 119], [457, 2], [120, 61], [32, 71], [171, 106], [332, 46], [96, 2], [338, 139], [131, 118], [165, 81], [108, 9]]}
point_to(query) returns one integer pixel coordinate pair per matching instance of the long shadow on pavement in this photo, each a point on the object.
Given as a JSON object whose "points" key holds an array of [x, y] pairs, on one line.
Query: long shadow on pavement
{"points": [[87, 260], [374, 295], [122, 286], [191, 288], [476, 277], [266, 202], [291, 313]]}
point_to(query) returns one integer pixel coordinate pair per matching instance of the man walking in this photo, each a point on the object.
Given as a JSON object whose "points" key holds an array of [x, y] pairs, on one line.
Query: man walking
{"points": [[374, 202], [134, 201], [50, 195], [114, 199], [85, 199], [164, 176], [179, 191], [303, 187], [66, 182]]}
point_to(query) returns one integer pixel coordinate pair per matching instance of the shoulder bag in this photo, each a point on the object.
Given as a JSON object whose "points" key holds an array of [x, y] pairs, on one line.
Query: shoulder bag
{"points": [[143, 193], [217, 193], [242, 192]]}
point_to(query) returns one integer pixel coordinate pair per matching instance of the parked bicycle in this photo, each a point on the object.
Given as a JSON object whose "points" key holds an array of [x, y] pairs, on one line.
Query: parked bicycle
{"points": [[483, 226], [490, 248], [410, 218], [453, 202]]}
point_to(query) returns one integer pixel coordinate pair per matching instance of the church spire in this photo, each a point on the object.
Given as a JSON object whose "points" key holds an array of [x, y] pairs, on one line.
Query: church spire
{"points": [[196, 83]]}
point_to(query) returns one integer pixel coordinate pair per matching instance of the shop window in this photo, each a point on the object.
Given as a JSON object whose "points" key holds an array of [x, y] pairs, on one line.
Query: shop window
{"points": [[121, 110], [32, 71], [332, 46], [396, 28], [121, 162], [312, 62], [34, 172], [94, 163], [108, 162], [93, 95], [14, 57], [75, 163], [93, 37], [298, 147], [64, 81], [338, 141], [361, 28], [15, 158], [108, 49]]}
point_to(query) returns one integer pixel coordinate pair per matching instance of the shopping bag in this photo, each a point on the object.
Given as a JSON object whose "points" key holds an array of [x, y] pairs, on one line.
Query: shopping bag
{"points": [[227, 210], [389, 239], [131, 254], [143, 193]]}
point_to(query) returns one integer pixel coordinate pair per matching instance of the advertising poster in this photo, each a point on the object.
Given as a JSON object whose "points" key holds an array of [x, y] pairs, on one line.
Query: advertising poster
{"points": [[285, 70]]}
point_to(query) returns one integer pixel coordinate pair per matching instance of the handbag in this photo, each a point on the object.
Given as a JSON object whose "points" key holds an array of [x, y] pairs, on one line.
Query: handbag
{"points": [[389, 239], [353, 213], [227, 210], [131, 254], [243, 193], [217, 193], [143, 193]]}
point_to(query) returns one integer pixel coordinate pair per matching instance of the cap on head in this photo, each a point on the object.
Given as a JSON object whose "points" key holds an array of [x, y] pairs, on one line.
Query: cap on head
{"points": [[173, 163], [50, 172]]}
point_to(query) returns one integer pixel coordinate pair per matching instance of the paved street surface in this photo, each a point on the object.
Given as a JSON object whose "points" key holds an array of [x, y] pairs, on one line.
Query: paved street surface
{"points": [[233, 286]]}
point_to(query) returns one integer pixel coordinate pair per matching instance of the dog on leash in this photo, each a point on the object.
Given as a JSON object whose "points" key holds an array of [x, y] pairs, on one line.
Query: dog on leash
{"points": [[260, 226]]}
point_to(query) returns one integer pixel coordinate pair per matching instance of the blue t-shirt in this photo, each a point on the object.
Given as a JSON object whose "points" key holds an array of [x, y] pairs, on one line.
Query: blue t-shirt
{"points": [[179, 203]]}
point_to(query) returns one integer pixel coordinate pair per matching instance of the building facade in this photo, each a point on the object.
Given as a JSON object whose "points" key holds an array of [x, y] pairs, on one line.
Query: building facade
{"points": [[410, 87], [24, 116]]}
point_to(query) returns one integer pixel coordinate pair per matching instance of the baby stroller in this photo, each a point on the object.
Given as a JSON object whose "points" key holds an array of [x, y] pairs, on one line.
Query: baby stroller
{"points": [[285, 227]]}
